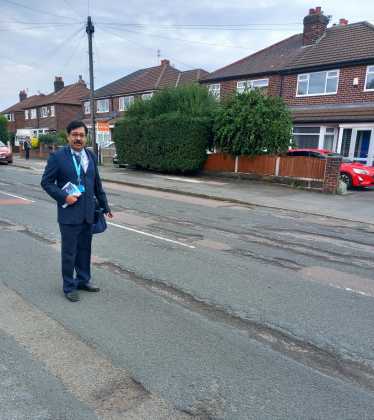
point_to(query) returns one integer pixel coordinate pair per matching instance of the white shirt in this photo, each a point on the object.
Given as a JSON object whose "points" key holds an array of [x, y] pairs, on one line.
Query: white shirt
{"points": [[84, 161]]}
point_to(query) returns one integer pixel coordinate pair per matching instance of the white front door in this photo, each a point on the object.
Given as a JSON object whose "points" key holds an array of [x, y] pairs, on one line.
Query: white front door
{"points": [[357, 143]]}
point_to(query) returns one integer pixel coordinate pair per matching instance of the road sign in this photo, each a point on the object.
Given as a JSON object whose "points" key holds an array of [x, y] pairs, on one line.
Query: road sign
{"points": [[103, 128]]}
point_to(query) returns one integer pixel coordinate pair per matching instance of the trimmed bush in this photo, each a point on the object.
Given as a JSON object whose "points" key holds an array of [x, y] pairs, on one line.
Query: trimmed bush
{"points": [[48, 138], [168, 133], [168, 143]]}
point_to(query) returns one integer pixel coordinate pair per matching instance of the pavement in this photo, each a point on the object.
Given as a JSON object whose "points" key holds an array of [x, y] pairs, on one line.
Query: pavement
{"points": [[355, 206]]}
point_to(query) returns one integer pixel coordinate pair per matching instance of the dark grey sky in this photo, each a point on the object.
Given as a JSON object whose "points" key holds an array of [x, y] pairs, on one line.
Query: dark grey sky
{"points": [[40, 48]]}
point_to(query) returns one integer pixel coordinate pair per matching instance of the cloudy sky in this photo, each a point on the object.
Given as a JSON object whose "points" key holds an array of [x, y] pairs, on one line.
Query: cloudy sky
{"points": [[37, 45]]}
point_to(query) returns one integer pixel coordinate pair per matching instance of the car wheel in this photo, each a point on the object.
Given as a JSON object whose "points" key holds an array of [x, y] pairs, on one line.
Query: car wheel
{"points": [[347, 179], [10, 161]]}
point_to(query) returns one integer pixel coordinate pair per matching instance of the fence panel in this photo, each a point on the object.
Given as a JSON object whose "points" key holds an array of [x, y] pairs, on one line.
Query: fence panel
{"points": [[219, 162], [257, 165], [106, 155], [302, 167]]}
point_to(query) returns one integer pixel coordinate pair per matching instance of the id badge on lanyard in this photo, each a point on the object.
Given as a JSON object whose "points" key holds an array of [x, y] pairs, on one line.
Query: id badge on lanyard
{"points": [[78, 169]]}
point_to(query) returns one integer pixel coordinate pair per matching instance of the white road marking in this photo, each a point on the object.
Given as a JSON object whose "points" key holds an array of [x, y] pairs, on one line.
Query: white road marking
{"points": [[150, 234], [21, 198], [194, 181]]}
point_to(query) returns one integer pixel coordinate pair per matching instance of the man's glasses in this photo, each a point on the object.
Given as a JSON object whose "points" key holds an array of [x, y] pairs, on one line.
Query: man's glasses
{"points": [[76, 135]]}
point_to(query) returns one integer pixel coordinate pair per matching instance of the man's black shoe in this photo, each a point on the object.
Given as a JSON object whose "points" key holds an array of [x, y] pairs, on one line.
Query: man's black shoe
{"points": [[72, 296], [89, 288]]}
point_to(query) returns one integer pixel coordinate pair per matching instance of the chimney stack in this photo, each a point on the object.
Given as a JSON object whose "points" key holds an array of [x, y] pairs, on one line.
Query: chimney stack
{"points": [[315, 25], [81, 81], [59, 84], [22, 95], [343, 22], [165, 62]]}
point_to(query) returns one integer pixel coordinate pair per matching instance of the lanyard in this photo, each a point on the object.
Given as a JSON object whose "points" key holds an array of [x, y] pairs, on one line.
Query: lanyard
{"points": [[77, 167]]}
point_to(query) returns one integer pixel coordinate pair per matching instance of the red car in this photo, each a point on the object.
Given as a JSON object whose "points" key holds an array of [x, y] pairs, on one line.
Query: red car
{"points": [[5, 154], [353, 174]]}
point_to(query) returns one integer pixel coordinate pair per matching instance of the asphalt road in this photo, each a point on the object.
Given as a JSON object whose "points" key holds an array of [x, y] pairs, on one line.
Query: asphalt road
{"points": [[208, 310]]}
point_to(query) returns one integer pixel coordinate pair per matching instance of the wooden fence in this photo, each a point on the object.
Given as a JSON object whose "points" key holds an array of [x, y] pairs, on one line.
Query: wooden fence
{"points": [[302, 167], [297, 167], [106, 155]]}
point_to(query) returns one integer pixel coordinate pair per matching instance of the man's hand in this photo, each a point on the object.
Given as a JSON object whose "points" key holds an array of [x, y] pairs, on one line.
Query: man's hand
{"points": [[71, 199], [110, 215]]}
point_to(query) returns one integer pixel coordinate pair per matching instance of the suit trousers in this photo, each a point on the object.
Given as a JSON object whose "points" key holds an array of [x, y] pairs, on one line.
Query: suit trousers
{"points": [[76, 255]]}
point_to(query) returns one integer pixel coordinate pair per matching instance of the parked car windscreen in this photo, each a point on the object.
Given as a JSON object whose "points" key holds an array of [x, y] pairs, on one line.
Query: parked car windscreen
{"points": [[345, 159]]}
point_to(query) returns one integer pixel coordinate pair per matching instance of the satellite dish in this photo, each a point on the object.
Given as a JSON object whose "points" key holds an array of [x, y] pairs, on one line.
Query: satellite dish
{"points": [[113, 114], [80, 116]]}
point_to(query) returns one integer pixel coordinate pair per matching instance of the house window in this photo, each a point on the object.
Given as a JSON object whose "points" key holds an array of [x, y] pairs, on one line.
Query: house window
{"points": [[52, 111], [321, 83], [33, 114], [27, 114], [103, 106], [8, 117], [306, 137], [124, 103], [43, 112], [87, 107], [328, 139], [369, 83], [261, 83], [147, 96], [215, 90]]}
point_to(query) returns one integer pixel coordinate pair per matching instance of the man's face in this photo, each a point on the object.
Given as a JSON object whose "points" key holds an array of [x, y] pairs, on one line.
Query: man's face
{"points": [[77, 138]]}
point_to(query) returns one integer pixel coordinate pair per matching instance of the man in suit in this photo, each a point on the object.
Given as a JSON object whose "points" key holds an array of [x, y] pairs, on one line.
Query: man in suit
{"points": [[74, 164]]}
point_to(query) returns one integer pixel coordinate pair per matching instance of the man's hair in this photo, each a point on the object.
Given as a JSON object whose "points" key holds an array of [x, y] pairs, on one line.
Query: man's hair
{"points": [[76, 124]]}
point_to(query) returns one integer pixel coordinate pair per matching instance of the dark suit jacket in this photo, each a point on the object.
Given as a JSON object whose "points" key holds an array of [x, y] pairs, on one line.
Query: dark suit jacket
{"points": [[60, 169]]}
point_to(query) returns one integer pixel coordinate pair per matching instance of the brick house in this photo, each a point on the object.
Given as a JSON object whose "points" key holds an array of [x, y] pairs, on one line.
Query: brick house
{"points": [[44, 113], [327, 77], [15, 114], [112, 100]]}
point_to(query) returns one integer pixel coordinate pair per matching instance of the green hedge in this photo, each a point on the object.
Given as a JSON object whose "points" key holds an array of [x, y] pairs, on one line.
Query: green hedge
{"points": [[168, 143]]}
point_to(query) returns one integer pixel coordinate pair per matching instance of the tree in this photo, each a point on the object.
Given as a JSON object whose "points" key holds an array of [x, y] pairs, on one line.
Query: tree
{"points": [[4, 136], [252, 123]]}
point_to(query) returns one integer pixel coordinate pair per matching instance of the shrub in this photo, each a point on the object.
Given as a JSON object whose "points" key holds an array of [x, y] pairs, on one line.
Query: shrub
{"points": [[168, 143], [34, 143], [61, 138], [12, 137], [48, 138], [251, 123], [4, 136], [170, 132]]}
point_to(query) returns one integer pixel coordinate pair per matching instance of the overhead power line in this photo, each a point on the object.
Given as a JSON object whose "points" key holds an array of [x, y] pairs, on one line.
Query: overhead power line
{"points": [[40, 11], [98, 59], [25, 73], [142, 46], [197, 26], [179, 39], [38, 27], [74, 9], [109, 54]]}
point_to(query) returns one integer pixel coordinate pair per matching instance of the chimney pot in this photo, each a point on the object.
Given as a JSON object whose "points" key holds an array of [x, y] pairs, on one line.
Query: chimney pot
{"points": [[318, 10], [165, 62], [22, 95], [312, 11]]}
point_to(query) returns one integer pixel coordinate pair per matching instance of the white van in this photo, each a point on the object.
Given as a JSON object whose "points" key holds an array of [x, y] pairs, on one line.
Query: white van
{"points": [[21, 134]]}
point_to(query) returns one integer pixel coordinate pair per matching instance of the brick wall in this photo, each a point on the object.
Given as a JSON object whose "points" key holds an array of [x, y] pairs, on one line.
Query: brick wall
{"points": [[347, 93], [332, 174], [19, 121], [65, 114], [227, 86]]}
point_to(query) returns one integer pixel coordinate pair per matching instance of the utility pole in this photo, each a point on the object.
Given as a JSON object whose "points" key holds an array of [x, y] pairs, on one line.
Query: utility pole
{"points": [[90, 30]]}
